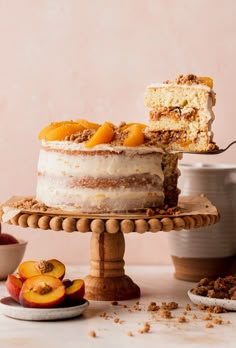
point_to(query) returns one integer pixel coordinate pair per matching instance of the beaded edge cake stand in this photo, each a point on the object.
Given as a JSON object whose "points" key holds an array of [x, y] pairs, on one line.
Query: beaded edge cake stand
{"points": [[107, 280]]}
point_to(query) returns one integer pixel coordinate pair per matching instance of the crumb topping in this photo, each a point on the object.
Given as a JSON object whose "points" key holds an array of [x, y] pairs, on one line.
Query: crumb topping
{"points": [[222, 287], [189, 79], [81, 136]]}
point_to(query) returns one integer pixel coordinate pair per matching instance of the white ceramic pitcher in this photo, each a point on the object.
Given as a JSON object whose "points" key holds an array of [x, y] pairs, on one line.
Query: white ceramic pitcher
{"points": [[209, 251]]}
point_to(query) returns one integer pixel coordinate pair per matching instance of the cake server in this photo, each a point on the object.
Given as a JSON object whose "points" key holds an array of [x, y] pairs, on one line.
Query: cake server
{"points": [[213, 152]]}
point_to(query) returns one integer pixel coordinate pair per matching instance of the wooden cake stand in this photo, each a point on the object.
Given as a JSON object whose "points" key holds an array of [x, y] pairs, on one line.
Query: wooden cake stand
{"points": [[107, 280]]}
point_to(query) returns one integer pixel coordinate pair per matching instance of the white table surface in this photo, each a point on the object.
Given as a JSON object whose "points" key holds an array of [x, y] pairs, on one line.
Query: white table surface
{"points": [[157, 284]]}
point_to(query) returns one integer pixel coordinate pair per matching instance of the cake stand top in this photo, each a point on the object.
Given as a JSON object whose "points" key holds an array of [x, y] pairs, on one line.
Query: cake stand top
{"points": [[192, 212]]}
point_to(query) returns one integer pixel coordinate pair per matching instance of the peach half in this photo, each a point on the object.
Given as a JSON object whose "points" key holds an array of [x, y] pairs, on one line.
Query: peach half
{"points": [[51, 267], [13, 285], [42, 291], [75, 290]]}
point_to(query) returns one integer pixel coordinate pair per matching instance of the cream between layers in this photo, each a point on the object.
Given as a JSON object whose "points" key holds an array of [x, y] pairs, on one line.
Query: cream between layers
{"points": [[103, 179]]}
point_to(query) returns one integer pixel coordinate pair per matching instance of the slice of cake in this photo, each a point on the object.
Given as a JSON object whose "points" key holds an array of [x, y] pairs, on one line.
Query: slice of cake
{"points": [[180, 113], [91, 168]]}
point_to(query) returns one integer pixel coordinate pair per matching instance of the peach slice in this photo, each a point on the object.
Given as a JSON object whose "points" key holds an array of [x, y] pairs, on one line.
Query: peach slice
{"points": [[135, 136], [75, 291], [52, 126], [42, 291], [205, 80], [127, 125], [87, 124], [103, 135], [14, 284], [51, 267], [59, 133]]}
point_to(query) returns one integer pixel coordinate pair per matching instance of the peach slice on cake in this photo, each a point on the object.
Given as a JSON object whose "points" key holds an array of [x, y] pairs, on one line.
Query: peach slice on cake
{"points": [[135, 136], [128, 125], [75, 290], [13, 285], [51, 267], [43, 133], [64, 130], [42, 291], [86, 124], [103, 135], [205, 80]]}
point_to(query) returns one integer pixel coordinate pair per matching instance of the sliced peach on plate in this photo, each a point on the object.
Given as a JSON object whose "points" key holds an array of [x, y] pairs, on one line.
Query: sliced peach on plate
{"points": [[42, 291], [103, 135], [86, 124], [51, 267], [75, 290], [14, 284], [59, 133], [135, 136]]}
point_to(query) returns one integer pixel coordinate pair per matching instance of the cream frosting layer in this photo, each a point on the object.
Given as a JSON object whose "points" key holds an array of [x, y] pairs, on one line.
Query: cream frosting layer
{"points": [[60, 163]]}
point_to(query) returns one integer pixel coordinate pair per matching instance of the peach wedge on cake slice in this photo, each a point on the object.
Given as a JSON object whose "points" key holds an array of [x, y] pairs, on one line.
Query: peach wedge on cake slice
{"points": [[42, 291], [51, 267], [205, 80]]}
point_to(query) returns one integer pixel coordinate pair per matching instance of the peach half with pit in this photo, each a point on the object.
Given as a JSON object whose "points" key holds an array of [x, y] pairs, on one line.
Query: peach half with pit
{"points": [[42, 291], [13, 285], [75, 290], [51, 267]]}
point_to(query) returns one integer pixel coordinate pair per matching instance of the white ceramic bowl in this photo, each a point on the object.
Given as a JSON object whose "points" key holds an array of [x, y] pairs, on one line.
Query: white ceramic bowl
{"points": [[10, 257]]}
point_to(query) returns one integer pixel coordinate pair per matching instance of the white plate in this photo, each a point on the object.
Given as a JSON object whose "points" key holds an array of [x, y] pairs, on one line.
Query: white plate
{"points": [[12, 309], [230, 305]]}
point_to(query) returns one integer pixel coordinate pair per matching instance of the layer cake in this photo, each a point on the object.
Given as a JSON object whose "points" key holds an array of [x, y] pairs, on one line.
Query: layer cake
{"points": [[121, 172]]}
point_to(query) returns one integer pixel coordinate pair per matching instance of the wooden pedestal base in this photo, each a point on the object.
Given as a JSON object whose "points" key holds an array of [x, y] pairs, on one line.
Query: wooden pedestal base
{"points": [[111, 289], [107, 280]]}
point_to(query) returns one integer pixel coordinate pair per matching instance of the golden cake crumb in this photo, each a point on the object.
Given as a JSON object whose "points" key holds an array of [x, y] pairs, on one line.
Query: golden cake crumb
{"points": [[165, 313], [217, 321], [209, 325], [92, 333], [145, 329], [130, 333], [118, 321], [188, 307], [182, 319], [169, 305], [153, 307], [208, 317]]}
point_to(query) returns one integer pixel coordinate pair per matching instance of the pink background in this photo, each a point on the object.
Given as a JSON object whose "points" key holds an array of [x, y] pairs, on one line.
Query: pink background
{"points": [[64, 59]]}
